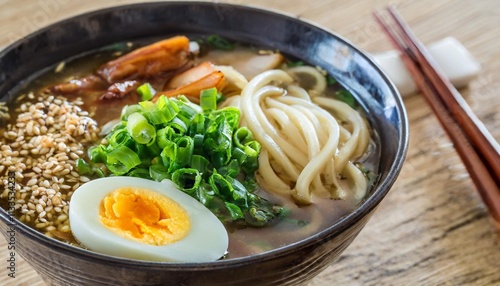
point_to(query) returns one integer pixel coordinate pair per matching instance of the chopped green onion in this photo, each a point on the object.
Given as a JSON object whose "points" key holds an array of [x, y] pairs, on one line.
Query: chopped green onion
{"points": [[200, 163], [120, 137], [140, 173], [252, 151], [218, 42], [117, 47], [98, 172], [83, 167], [164, 111], [129, 109], [187, 113], [218, 141], [156, 160], [121, 160], [295, 64], [146, 91], [345, 96], [139, 128], [158, 172], [187, 179], [234, 211], [168, 156], [242, 136], [197, 125], [330, 80], [232, 169], [178, 126], [230, 189], [230, 114], [205, 194], [149, 105], [208, 99], [198, 143], [184, 150], [164, 136], [97, 154], [202, 149]]}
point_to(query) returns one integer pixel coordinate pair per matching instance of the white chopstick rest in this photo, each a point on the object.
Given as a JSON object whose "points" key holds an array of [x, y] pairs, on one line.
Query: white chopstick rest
{"points": [[451, 56]]}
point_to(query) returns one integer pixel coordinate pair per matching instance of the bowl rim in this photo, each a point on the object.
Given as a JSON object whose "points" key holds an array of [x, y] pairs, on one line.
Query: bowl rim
{"points": [[366, 206]]}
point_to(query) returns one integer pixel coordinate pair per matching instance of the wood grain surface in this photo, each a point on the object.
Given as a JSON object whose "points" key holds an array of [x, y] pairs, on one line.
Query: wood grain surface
{"points": [[432, 228]]}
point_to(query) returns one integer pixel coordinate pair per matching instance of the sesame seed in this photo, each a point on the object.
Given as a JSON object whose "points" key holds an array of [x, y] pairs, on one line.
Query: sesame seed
{"points": [[58, 169], [62, 217], [31, 182], [40, 225], [42, 214], [56, 201], [29, 127], [46, 138], [46, 184]]}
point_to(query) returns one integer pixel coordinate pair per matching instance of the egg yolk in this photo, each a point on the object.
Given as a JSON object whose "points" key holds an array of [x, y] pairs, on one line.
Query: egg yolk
{"points": [[144, 215]]}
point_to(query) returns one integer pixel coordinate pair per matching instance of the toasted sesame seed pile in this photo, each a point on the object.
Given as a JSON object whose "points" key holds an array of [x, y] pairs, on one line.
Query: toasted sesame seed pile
{"points": [[50, 133]]}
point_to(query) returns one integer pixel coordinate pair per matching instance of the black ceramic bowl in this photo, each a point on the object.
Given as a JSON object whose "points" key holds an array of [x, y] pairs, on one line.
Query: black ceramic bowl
{"points": [[61, 264]]}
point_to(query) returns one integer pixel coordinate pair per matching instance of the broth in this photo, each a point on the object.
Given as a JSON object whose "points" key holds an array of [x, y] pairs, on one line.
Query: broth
{"points": [[301, 222]]}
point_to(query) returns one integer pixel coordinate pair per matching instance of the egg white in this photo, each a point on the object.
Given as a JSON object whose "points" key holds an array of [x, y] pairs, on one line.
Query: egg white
{"points": [[206, 241]]}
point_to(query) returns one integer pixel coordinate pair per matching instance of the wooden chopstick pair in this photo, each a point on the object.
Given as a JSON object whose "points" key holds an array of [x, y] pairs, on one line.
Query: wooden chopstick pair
{"points": [[477, 148]]}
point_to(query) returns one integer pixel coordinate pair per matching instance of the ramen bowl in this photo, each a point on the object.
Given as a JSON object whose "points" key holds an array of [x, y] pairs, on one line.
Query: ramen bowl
{"points": [[62, 264]]}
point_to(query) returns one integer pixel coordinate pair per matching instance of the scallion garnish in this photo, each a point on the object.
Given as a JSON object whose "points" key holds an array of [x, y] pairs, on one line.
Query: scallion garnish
{"points": [[146, 91], [345, 96], [201, 149], [220, 43], [122, 160], [208, 99], [139, 128]]}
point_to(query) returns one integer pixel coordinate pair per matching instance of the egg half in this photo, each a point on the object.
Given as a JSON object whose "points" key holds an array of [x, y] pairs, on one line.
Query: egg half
{"points": [[145, 220]]}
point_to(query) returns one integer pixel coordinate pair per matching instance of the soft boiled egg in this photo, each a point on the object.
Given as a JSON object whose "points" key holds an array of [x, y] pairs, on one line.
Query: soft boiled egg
{"points": [[145, 220]]}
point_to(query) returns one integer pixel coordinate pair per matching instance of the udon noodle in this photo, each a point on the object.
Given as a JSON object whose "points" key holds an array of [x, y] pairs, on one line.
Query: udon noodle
{"points": [[307, 151]]}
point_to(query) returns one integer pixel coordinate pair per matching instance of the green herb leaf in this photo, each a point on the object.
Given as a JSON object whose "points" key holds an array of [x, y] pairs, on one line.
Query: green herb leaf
{"points": [[220, 43], [345, 96]]}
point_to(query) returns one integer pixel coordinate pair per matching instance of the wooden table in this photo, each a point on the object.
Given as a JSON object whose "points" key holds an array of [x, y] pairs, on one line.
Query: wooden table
{"points": [[432, 228]]}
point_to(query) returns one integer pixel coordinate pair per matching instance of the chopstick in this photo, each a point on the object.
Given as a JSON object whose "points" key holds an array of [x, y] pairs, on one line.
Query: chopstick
{"points": [[477, 148]]}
